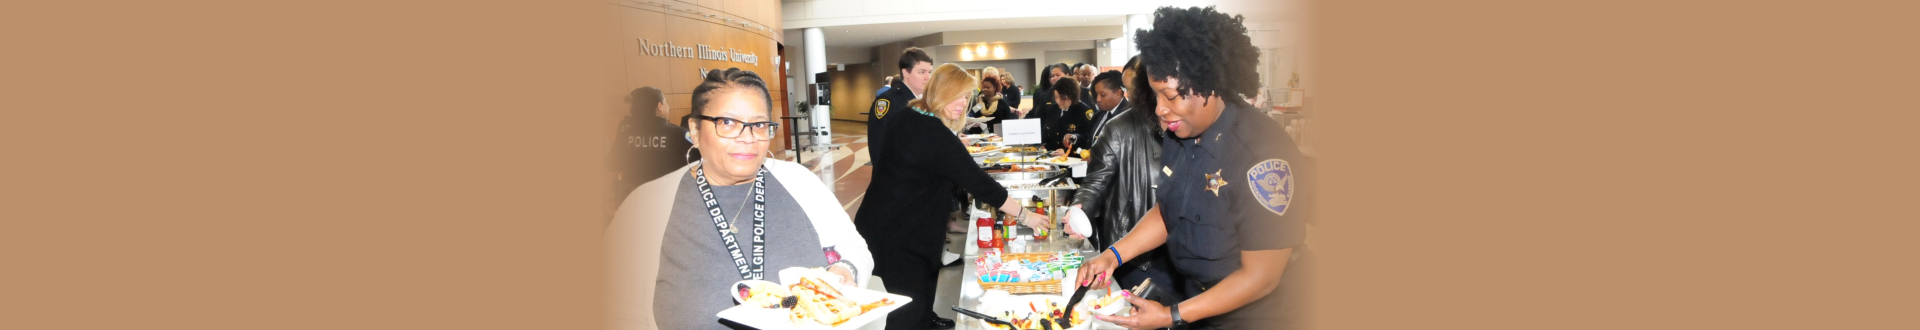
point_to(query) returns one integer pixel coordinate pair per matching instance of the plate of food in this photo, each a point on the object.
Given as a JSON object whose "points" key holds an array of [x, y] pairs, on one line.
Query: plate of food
{"points": [[1063, 160], [1029, 312], [811, 303], [977, 151]]}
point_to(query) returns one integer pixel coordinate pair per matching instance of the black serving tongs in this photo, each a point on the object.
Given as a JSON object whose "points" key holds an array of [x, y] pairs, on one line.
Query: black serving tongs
{"points": [[1057, 178], [1078, 293], [982, 316]]}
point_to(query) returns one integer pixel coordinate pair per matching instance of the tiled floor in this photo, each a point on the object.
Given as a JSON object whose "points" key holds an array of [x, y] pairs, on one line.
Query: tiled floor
{"points": [[845, 168]]}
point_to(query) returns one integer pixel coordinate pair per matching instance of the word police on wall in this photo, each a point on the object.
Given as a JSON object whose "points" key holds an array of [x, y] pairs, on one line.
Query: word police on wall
{"points": [[699, 51]]}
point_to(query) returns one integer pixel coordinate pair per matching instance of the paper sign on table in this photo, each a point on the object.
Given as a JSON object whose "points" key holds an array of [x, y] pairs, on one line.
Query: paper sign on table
{"points": [[1021, 131]]}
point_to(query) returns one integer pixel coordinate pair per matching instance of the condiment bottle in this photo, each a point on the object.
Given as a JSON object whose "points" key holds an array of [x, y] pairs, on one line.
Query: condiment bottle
{"points": [[984, 234]]}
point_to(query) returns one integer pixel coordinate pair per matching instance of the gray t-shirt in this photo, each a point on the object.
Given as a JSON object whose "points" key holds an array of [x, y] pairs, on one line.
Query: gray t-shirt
{"points": [[695, 268]]}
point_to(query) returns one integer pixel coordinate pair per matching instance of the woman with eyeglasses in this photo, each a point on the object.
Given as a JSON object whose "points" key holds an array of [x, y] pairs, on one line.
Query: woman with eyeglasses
{"points": [[733, 215], [904, 214]]}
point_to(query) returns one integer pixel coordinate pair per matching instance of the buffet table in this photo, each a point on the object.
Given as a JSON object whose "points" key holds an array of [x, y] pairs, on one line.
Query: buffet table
{"points": [[1023, 186]]}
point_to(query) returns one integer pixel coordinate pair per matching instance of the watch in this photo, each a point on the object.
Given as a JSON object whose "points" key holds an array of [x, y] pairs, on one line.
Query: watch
{"points": [[1178, 324]]}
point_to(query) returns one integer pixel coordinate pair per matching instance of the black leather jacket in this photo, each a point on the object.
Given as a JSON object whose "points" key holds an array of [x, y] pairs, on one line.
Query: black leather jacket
{"points": [[1118, 188]]}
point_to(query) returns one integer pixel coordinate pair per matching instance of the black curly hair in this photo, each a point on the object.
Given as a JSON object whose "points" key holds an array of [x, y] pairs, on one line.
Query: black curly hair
{"points": [[1208, 51], [730, 78]]}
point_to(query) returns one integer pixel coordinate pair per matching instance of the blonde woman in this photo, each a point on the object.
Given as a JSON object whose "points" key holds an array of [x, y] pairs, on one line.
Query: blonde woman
{"points": [[904, 214]]}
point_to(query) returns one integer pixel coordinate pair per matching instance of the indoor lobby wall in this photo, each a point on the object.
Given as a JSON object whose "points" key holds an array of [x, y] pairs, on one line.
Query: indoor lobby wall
{"points": [[853, 91], [736, 27]]}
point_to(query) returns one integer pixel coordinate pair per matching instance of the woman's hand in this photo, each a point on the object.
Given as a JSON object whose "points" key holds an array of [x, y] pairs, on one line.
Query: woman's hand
{"points": [[1147, 314], [1034, 220], [846, 274], [1058, 152], [1072, 213], [1101, 267]]}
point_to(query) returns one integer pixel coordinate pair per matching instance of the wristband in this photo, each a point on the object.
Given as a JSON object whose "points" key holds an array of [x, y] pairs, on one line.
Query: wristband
{"points": [[1116, 255]]}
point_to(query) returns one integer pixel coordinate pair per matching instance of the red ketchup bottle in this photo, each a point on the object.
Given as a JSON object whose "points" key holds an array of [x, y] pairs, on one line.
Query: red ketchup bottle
{"points": [[984, 234]]}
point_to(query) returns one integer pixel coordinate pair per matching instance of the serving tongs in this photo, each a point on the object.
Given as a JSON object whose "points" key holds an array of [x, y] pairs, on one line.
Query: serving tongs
{"points": [[982, 316], [1078, 293], [1056, 178]]}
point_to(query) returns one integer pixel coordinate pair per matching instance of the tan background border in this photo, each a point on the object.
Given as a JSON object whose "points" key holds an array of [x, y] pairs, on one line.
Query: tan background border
{"points": [[433, 165]]}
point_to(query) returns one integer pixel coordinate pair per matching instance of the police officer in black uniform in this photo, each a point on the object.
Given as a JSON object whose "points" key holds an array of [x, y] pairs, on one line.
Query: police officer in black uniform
{"points": [[646, 146], [915, 68], [1076, 121], [1043, 102], [1226, 210]]}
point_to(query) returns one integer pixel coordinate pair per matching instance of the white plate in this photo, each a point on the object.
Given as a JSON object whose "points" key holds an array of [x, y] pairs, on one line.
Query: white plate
{"points": [[1018, 304], [776, 318], [1071, 161]]}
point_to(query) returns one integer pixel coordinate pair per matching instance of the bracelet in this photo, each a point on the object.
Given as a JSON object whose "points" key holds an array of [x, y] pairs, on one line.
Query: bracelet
{"points": [[1116, 254]]}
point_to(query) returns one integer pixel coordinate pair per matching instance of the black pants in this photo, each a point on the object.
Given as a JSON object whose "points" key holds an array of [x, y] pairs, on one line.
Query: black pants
{"points": [[913, 275], [1169, 286]]}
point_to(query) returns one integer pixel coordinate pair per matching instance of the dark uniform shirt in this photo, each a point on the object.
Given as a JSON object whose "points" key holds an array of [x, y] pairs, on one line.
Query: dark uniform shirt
{"points": [[888, 105], [1077, 121], [1045, 110], [1230, 190]]}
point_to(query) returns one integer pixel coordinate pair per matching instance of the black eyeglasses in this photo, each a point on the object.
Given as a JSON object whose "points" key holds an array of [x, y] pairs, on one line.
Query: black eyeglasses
{"points": [[762, 131]]}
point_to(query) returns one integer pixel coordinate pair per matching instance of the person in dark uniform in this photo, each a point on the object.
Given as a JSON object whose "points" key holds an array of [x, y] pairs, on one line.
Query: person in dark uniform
{"points": [[1084, 73], [646, 146], [1118, 189], [1075, 124], [1109, 100], [1043, 107], [915, 69], [1226, 210], [904, 216]]}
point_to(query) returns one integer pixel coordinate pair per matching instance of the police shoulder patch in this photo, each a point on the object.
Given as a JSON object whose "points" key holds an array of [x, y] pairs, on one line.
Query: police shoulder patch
{"points": [[880, 109], [1272, 184]]}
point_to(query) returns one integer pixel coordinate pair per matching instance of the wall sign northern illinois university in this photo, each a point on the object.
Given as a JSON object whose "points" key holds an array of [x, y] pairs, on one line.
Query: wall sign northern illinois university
{"points": [[699, 51]]}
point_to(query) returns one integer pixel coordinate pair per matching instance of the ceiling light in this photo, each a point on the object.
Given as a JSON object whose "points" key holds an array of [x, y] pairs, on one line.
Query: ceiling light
{"points": [[999, 52], [966, 54], [982, 49]]}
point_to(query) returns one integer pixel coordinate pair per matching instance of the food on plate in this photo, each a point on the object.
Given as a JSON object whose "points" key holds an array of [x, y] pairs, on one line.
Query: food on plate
{"points": [[993, 138], [982, 148], [1019, 168], [1111, 304], [1061, 159], [1042, 315], [816, 301], [811, 299], [762, 294]]}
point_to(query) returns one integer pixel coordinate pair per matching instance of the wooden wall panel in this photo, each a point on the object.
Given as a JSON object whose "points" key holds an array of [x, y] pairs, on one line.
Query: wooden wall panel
{"points": [[678, 76]]}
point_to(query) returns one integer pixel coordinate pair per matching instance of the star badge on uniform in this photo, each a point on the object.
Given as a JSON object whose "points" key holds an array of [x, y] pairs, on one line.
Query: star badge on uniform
{"points": [[1214, 182], [1089, 114]]}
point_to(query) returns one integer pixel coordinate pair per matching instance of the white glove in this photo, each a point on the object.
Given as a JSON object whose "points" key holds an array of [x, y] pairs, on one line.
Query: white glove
{"points": [[1077, 222]]}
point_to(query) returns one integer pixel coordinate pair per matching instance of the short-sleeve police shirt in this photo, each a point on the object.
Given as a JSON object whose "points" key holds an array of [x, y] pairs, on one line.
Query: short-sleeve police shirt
{"points": [[1228, 191]]}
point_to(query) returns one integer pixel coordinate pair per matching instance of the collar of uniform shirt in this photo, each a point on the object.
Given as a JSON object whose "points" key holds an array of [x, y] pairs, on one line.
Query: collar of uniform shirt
{"points": [[1228, 114]]}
